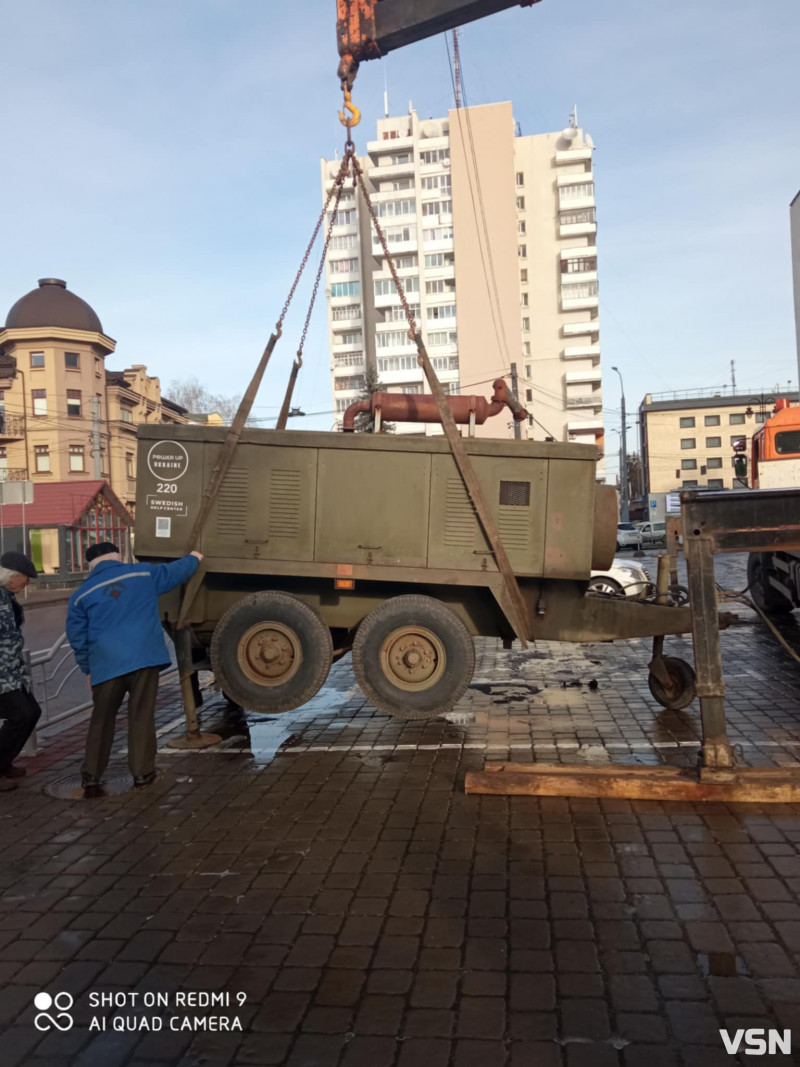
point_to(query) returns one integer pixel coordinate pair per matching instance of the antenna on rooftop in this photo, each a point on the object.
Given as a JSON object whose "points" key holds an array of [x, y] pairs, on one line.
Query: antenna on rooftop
{"points": [[733, 375], [573, 117]]}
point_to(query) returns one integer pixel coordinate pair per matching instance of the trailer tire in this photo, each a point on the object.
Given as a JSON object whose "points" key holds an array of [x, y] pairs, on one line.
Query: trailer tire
{"points": [[271, 652], [768, 599], [684, 685], [413, 657]]}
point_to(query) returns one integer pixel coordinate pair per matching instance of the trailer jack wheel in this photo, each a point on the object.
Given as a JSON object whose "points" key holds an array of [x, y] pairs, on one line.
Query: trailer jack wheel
{"points": [[680, 690]]}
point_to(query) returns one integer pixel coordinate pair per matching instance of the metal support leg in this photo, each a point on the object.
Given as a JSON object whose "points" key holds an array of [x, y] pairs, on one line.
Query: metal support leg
{"points": [[717, 757], [193, 738]]}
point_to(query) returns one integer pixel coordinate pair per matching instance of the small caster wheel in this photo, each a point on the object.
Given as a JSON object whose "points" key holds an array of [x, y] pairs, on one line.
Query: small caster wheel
{"points": [[683, 688]]}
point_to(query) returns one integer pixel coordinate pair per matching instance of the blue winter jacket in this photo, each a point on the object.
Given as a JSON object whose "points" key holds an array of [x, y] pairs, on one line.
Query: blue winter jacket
{"points": [[113, 622]]}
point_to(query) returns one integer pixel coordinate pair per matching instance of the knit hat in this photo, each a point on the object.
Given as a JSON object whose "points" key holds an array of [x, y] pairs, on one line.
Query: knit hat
{"points": [[17, 561], [103, 548]]}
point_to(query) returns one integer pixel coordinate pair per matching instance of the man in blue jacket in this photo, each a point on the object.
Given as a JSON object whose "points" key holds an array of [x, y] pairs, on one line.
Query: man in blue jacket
{"points": [[114, 628]]}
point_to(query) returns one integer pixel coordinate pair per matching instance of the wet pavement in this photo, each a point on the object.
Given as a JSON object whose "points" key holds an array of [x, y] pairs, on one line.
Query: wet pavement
{"points": [[321, 879]]}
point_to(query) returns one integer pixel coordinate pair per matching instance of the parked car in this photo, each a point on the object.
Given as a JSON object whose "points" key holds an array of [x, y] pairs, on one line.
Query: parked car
{"points": [[627, 535], [623, 576], [653, 532]]}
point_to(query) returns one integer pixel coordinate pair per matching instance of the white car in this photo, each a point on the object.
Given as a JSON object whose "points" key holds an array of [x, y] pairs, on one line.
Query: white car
{"points": [[627, 535], [623, 576], [653, 532]]}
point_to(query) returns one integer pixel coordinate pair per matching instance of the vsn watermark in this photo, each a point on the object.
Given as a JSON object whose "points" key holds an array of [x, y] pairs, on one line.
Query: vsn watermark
{"points": [[61, 1003], [756, 1044]]}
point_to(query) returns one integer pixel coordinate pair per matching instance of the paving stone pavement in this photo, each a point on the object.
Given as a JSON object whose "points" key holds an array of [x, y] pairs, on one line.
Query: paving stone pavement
{"points": [[324, 875]]}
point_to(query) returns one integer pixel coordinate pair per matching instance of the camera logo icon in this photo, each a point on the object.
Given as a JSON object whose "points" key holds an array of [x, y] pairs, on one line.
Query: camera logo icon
{"points": [[62, 1002]]}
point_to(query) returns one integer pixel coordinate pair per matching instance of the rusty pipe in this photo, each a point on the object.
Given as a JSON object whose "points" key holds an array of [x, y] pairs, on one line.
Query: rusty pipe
{"points": [[416, 407]]}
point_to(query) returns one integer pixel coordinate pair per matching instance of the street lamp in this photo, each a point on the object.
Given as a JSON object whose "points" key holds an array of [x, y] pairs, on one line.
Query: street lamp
{"points": [[623, 457]]}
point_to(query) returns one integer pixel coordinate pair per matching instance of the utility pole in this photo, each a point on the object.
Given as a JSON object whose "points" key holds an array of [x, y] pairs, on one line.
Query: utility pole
{"points": [[98, 470], [517, 427], [623, 457], [457, 68]]}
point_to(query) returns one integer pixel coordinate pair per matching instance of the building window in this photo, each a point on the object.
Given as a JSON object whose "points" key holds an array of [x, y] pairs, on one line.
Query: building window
{"points": [[711, 420], [526, 324], [520, 203], [714, 462], [529, 396], [575, 218], [576, 192], [437, 207], [761, 416], [713, 442], [129, 464], [72, 359], [521, 228], [523, 251], [345, 218], [526, 349], [736, 419], [440, 285], [39, 397], [42, 453], [716, 483], [37, 359], [346, 289], [523, 275], [348, 359], [443, 337], [688, 442], [738, 440], [579, 290], [74, 402], [354, 381], [343, 242], [520, 177], [125, 414], [689, 464], [686, 422], [348, 311], [76, 458], [523, 299], [689, 485], [578, 264], [442, 311], [343, 266], [528, 371]]}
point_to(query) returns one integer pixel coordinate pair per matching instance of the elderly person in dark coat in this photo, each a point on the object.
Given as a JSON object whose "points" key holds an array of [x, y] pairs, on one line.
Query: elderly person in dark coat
{"points": [[19, 710]]}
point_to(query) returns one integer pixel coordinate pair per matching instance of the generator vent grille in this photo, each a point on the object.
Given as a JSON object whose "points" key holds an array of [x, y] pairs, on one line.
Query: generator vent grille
{"points": [[284, 503], [514, 527], [459, 521], [232, 503], [515, 494]]}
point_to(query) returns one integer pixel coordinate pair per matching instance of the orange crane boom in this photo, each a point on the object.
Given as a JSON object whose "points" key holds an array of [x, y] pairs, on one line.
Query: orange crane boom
{"points": [[368, 29]]}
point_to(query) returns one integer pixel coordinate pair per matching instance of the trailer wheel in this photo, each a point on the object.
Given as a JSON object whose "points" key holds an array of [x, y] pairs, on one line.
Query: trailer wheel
{"points": [[683, 689], [271, 652], [413, 657], [765, 596]]}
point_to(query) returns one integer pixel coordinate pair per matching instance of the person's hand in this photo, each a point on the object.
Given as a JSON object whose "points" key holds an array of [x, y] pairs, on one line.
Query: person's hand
{"points": [[199, 555]]}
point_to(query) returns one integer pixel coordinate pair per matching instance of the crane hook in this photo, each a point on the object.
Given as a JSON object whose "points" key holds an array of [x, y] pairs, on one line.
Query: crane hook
{"points": [[354, 116]]}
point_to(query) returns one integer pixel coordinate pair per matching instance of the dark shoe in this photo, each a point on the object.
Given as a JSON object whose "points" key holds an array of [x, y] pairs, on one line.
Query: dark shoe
{"points": [[14, 772], [92, 791], [141, 780], [7, 784]]}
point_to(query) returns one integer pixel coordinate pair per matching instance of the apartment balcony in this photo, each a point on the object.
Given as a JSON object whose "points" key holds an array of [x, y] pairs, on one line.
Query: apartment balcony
{"points": [[340, 345], [390, 145], [582, 352], [338, 325], [578, 229], [12, 427], [391, 170], [588, 400], [588, 425], [579, 252], [573, 329], [587, 374], [573, 155], [397, 248], [578, 303], [13, 474]]}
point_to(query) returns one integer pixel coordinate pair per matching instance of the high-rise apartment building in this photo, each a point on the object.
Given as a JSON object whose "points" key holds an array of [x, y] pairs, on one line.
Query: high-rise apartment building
{"points": [[493, 235]]}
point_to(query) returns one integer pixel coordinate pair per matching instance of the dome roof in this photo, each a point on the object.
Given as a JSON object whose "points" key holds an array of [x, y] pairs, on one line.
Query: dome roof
{"points": [[53, 305]]}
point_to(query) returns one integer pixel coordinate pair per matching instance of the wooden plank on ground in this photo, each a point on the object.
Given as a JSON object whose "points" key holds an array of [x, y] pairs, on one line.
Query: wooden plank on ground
{"points": [[773, 785]]}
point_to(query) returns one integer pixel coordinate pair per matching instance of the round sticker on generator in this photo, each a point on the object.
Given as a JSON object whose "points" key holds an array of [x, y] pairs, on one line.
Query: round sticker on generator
{"points": [[168, 460]]}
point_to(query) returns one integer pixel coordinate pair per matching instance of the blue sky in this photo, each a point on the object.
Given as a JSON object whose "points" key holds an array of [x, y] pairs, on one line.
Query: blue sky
{"points": [[163, 158]]}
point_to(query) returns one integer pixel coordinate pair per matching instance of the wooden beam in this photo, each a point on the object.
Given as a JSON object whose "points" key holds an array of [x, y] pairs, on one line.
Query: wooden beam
{"points": [[768, 785]]}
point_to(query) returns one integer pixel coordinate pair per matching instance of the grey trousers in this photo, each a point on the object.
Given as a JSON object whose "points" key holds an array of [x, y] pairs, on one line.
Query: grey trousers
{"points": [[142, 689]]}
